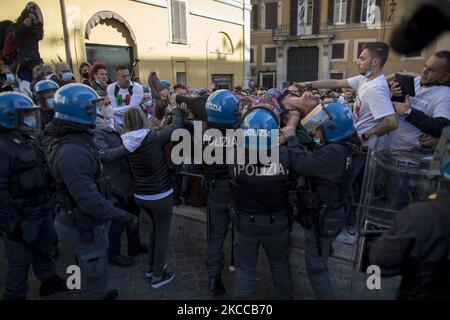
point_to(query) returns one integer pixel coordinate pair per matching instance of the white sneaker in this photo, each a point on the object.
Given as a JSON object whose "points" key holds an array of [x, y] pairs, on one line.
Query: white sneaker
{"points": [[345, 237]]}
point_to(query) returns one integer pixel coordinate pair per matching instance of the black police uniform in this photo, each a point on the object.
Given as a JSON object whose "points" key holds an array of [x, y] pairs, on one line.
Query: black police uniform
{"points": [[260, 196], [321, 209], [417, 246], [83, 210], [25, 198]]}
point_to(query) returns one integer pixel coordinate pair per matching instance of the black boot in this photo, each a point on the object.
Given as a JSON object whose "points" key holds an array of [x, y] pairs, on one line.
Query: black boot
{"points": [[215, 285], [52, 285], [121, 261]]}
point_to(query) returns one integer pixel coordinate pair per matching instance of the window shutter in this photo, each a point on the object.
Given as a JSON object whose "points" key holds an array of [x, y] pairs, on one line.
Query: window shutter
{"points": [[255, 11], [183, 26], [271, 15], [293, 17], [316, 17], [330, 12], [357, 12], [175, 21], [349, 11]]}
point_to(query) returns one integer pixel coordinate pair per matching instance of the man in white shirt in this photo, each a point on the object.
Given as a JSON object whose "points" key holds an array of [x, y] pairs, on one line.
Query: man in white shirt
{"points": [[373, 112], [423, 117], [124, 93]]}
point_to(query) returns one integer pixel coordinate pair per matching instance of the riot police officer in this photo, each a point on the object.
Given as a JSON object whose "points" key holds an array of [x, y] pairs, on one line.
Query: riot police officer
{"points": [[44, 93], [261, 205], [222, 109], [83, 210], [417, 246], [322, 197], [25, 200]]}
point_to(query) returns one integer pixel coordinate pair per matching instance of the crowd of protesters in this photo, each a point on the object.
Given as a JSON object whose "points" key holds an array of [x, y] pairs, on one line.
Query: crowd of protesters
{"points": [[135, 122]]}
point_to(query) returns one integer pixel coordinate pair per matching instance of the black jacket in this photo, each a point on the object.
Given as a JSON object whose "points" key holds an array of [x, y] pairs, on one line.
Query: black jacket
{"points": [[77, 170], [328, 167], [417, 247], [114, 158], [25, 181], [426, 124], [27, 39], [148, 164]]}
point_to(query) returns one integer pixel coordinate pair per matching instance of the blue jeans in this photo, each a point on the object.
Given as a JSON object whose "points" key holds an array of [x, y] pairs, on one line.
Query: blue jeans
{"points": [[354, 186], [116, 229]]}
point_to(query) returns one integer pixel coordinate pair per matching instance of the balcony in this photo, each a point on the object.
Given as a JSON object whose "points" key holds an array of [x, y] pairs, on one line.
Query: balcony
{"points": [[284, 33]]}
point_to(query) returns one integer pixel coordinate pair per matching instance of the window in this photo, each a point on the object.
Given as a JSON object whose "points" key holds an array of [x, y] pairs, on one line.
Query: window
{"points": [[179, 27], [271, 15], [267, 80], [181, 78], [336, 75], [255, 12], [222, 81], [360, 48], [340, 11], [366, 9], [338, 51], [252, 55], [113, 56], [270, 55], [420, 55]]}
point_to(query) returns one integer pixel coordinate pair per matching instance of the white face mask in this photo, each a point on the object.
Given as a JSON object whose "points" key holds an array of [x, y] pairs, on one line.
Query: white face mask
{"points": [[10, 79]]}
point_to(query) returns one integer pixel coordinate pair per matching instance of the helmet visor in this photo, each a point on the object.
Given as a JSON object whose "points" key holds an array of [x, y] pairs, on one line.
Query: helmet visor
{"points": [[315, 118]]}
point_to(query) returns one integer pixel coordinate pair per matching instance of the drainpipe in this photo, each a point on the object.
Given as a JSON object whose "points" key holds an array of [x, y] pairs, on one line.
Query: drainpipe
{"points": [[66, 34]]}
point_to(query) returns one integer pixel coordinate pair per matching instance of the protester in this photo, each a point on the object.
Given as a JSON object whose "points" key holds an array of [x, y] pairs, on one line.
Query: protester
{"points": [[124, 93], [85, 70], [63, 75]]}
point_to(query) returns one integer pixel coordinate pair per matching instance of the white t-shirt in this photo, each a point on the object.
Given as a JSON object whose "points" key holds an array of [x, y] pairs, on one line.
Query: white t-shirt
{"points": [[372, 104], [434, 102], [125, 101]]}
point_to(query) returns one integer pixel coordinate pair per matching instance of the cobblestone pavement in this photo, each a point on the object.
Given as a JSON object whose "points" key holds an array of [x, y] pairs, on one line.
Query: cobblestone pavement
{"points": [[186, 259]]}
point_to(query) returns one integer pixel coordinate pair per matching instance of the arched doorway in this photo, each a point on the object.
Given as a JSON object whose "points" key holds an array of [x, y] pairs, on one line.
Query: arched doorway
{"points": [[110, 39]]}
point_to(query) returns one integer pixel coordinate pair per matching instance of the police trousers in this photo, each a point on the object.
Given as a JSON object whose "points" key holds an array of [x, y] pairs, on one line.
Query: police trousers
{"points": [[274, 236], [40, 234], [91, 255], [218, 223], [316, 264]]}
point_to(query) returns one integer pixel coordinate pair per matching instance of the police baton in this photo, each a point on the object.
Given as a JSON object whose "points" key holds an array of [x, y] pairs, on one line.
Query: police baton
{"points": [[232, 268]]}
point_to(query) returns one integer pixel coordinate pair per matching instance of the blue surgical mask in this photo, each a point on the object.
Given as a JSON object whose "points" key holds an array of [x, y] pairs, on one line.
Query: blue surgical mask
{"points": [[50, 103], [317, 140], [67, 76], [30, 122], [10, 79], [368, 73]]}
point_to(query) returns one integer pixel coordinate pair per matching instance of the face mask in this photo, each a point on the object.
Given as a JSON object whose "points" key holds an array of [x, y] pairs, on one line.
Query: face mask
{"points": [[67, 76], [30, 122], [317, 140], [85, 75], [50, 103], [10, 79], [368, 73]]}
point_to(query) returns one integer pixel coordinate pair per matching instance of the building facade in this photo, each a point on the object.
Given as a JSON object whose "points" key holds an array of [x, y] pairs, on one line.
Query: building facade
{"points": [[303, 40], [193, 42]]}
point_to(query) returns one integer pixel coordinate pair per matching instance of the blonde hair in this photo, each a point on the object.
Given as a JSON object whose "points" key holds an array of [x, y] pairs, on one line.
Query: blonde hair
{"points": [[135, 119]]}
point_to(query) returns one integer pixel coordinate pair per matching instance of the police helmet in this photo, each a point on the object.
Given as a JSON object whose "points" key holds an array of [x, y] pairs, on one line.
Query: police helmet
{"points": [[222, 108], [11, 103], [45, 85], [334, 119], [76, 103], [257, 126]]}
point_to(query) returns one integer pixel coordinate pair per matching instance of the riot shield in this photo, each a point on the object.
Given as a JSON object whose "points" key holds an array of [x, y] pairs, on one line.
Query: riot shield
{"points": [[392, 181]]}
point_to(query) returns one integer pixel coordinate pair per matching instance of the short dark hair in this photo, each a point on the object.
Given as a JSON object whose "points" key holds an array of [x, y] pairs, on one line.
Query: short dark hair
{"points": [[95, 68], [379, 50], [122, 67], [445, 54]]}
